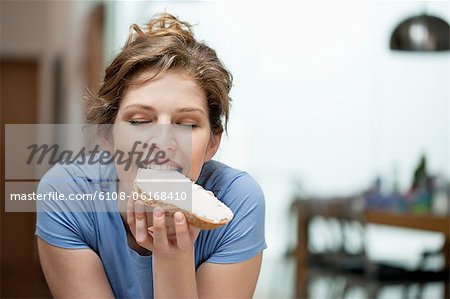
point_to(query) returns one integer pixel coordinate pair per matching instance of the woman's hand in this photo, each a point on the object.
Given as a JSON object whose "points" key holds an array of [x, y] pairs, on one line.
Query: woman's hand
{"points": [[162, 239], [173, 257]]}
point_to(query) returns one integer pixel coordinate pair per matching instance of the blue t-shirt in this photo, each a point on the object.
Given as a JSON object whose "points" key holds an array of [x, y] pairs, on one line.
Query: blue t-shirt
{"points": [[130, 274]]}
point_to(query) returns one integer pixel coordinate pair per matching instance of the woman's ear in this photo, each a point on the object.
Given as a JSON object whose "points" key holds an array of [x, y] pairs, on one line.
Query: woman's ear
{"points": [[213, 146]]}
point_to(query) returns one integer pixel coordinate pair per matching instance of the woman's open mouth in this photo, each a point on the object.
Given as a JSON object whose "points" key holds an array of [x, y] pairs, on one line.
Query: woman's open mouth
{"points": [[168, 165]]}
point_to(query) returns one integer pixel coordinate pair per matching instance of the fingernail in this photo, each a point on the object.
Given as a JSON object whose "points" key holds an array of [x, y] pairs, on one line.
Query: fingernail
{"points": [[139, 207], [179, 217], [158, 212]]}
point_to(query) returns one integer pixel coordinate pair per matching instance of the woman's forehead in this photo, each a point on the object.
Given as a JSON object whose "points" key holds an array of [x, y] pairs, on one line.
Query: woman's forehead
{"points": [[168, 88]]}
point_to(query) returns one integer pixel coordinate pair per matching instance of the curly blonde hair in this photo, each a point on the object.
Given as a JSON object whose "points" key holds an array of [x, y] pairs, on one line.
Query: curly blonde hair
{"points": [[164, 44]]}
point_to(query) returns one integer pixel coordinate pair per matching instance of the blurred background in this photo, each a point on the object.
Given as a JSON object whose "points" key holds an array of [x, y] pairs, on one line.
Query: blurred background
{"points": [[340, 112]]}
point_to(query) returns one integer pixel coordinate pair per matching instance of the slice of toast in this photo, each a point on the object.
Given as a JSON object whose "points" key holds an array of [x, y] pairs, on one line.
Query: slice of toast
{"points": [[207, 212]]}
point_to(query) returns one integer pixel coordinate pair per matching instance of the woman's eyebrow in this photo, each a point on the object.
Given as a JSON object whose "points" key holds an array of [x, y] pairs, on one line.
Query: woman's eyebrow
{"points": [[191, 109], [141, 106], [150, 108]]}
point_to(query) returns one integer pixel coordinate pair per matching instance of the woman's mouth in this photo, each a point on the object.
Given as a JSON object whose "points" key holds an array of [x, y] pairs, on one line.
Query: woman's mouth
{"points": [[168, 165]]}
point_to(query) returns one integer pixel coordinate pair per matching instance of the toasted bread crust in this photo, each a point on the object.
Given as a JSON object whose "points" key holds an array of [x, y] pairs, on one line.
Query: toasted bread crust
{"points": [[195, 220]]}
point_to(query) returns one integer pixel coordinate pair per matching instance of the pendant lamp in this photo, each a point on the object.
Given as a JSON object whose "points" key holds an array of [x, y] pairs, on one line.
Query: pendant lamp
{"points": [[421, 33]]}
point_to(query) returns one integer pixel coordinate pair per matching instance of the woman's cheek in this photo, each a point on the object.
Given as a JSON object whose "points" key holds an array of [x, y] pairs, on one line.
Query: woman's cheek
{"points": [[198, 158]]}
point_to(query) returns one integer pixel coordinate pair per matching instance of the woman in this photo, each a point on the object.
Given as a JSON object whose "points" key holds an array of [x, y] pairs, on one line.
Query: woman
{"points": [[163, 77]]}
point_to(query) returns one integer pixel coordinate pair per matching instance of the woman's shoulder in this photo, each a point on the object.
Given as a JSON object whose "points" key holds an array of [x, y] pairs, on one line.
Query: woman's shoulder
{"points": [[243, 237], [79, 185], [83, 170]]}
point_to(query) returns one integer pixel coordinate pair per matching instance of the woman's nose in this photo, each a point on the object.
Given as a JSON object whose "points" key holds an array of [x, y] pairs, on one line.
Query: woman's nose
{"points": [[163, 137]]}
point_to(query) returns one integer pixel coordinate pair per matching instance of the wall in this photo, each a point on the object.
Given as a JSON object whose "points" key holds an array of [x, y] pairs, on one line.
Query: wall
{"points": [[46, 30], [321, 105]]}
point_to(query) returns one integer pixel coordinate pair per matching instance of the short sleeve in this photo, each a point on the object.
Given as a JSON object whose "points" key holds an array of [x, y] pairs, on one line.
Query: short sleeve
{"points": [[55, 223], [243, 237]]}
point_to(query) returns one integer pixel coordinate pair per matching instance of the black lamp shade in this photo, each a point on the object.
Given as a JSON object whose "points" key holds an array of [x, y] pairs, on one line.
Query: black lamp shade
{"points": [[421, 33]]}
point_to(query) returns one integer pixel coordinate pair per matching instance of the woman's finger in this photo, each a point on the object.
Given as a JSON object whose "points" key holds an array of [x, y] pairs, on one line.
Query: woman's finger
{"points": [[151, 231], [142, 236], [159, 228], [184, 240]]}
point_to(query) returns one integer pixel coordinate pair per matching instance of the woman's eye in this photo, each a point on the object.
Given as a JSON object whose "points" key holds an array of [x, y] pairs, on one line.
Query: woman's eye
{"points": [[188, 125], [138, 122]]}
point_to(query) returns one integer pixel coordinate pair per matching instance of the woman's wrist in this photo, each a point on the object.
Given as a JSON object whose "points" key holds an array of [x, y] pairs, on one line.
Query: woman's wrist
{"points": [[185, 257], [171, 271]]}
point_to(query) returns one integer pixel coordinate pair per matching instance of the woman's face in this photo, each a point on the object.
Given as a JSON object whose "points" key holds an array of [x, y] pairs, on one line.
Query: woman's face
{"points": [[169, 112]]}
